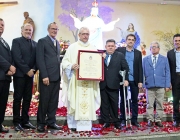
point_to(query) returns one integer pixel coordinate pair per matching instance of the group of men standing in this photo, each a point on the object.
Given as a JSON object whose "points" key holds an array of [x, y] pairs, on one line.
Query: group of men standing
{"points": [[22, 61], [83, 96]]}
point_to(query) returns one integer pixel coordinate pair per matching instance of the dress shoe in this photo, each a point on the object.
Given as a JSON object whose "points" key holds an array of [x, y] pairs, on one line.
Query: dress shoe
{"points": [[150, 123], [176, 124], [29, 126], [117, 126], [73, 129], [123, 123], [40, 129], [18, 127], [55, 126], [106, 125], [136, 124], [159, 124], [2, 129]]}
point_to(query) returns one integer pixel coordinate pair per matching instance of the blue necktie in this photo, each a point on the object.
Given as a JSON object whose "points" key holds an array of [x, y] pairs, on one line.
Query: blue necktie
{"points": [[107, 59], [154, 61]]}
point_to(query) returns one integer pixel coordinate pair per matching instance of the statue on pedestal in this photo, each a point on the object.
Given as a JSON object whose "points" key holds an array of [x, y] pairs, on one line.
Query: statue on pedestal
{"points": [[30, 21]]}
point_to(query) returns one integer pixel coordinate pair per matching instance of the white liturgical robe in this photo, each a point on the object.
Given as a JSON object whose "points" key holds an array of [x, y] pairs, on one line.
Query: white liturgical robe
{"points": [[83, 96]]}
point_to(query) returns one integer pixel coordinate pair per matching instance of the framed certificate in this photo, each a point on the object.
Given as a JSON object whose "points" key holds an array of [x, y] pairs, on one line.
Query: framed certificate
{"points": [[91, 65]]}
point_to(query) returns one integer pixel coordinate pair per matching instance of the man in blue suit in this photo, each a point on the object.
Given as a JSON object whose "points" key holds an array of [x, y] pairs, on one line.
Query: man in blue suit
{"points": [[157, 81]]}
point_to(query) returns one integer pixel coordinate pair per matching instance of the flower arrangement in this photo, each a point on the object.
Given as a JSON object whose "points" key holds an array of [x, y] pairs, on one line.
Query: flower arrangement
{"points": [[64, 44], [35, 97]]}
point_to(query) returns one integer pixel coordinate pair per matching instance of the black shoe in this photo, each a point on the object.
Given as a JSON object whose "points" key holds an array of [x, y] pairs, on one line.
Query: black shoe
{"points": [[73, 129], [55, 126], [2, 129], [117, 126], [176, 124], [150, 123], [136, 124], [123, 123], [29, 126], [159, 124], [106, 125], [18, 127], [40, 129]]}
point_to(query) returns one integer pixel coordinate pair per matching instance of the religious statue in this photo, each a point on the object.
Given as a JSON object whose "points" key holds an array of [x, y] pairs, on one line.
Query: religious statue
{"points": [[130, 30], [96, 26], [29, 20]]}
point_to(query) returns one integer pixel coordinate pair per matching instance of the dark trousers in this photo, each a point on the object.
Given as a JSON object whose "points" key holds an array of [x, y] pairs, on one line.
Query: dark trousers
{"points": [[22, 90], [48, 103], [176, 98], [134, 101], [4, 92], [109, 105]]}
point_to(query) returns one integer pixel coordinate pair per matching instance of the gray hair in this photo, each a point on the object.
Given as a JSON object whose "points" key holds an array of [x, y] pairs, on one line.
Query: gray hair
{"points": [[154, 42], [82, 29], [51, 24], [27, 24]]}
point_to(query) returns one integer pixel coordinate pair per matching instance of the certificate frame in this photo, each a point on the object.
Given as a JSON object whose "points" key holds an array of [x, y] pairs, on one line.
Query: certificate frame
{"points": [[96, 64]]}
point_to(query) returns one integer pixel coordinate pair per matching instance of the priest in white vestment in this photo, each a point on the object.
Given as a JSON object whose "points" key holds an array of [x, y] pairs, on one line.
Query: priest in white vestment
{"points": [[83, 96]]}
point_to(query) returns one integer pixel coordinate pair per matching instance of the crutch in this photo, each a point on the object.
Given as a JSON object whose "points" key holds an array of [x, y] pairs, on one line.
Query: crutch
{"points": [[128, 118]]}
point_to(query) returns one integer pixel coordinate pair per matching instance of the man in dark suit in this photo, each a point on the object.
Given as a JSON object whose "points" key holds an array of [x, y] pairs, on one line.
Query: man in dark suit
{"points": [[24, 56], [6, 71], [48, 63], [109, 88], [134, 60], [174, 63]]}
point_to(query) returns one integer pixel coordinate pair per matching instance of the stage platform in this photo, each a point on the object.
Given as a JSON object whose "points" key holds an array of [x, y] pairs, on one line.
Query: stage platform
{"points": [[143, 133], [62, 120]]}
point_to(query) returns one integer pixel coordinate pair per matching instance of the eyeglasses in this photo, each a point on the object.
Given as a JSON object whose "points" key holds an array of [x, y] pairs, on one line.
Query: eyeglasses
{"points": [[85, 34], [54, 29], [154, 47]]}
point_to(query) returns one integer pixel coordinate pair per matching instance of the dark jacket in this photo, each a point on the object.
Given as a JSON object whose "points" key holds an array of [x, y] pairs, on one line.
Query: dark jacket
{"points": [[5, 61], [24, 56], [112, 77], [137, 65], [48, 59], [172, 64]]}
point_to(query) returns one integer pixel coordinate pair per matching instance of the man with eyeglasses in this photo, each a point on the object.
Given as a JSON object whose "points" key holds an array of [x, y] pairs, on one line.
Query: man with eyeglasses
{"points": [[48, 63], [174, 63], [6, 71], [134, 60], [83, 96], [157, 82]]}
